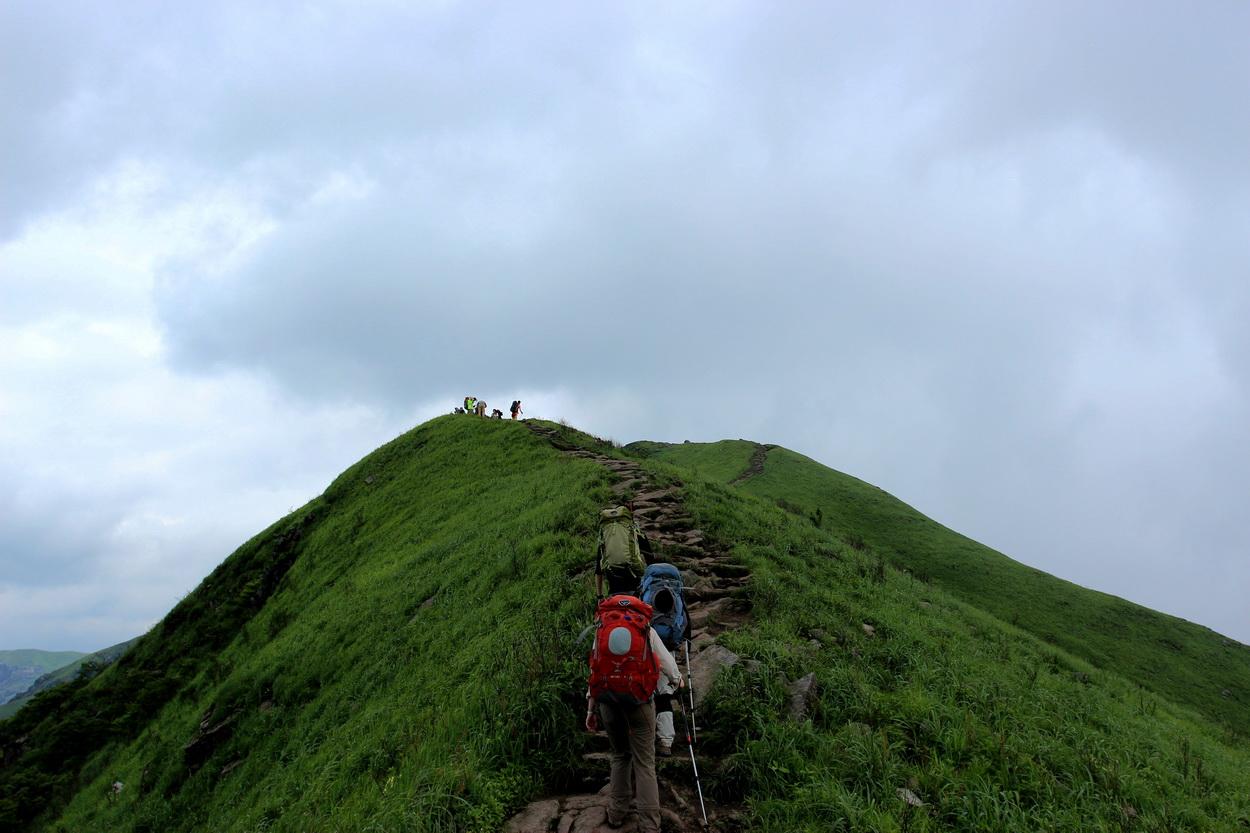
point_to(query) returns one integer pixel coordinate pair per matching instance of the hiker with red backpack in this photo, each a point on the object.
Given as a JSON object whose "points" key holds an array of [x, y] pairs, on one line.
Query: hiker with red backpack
{"points": [[626, 665]]}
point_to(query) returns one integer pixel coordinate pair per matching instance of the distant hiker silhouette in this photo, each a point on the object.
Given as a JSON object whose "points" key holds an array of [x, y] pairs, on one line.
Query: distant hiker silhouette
{"points": [[516, 409], [626, 664], [480, 408], [496, 414], [470, 402]]}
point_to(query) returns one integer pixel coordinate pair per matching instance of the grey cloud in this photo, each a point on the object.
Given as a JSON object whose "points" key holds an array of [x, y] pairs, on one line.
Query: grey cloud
{"points": [[984, 256]]}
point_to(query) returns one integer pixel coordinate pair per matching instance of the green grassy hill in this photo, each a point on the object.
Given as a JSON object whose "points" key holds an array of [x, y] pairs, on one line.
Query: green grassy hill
{"points": [[64, 673], [400, 655], [20, 668], [1190, 664]]}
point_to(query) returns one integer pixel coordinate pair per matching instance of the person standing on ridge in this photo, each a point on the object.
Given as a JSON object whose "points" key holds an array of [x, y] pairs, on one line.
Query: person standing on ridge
{"points": [[626, 664], [470, 402], [480, 408], [516, 409]]}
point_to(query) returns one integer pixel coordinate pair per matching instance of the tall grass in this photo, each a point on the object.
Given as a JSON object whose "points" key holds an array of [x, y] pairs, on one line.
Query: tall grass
{"points": [[990, 727]]}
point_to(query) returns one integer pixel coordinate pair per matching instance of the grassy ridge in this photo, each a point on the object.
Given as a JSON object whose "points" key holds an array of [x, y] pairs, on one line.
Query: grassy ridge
{"points": [[405, 673], [43, 660], [399, 655], [1188, 663], [991, 728]]}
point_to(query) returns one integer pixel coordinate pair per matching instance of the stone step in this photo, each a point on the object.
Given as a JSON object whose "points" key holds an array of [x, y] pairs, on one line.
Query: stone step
{"points": [[698, 595], [721, 569], [706, 615]]}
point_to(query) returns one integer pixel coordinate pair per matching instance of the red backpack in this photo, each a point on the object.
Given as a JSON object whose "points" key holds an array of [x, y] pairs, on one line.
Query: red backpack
{"points": [[623, 668]]}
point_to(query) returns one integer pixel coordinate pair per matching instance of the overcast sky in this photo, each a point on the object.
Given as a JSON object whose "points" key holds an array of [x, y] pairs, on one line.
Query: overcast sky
{"points": [[992, 257]]}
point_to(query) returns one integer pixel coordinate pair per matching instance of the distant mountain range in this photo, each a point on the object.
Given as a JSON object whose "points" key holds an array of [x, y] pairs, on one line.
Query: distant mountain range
{"points": [[18, 669], [57, 667]]}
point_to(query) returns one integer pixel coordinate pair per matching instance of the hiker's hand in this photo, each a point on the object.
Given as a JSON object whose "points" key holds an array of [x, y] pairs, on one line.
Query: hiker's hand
{"points": [[681, 681], [592, 721]]}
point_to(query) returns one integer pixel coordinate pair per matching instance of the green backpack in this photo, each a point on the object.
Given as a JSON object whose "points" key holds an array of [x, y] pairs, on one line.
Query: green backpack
{"points": [[618, 538]]}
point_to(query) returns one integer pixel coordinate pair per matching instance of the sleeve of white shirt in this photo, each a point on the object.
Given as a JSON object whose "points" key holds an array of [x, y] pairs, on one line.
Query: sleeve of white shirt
{"points": [[668, 665]]}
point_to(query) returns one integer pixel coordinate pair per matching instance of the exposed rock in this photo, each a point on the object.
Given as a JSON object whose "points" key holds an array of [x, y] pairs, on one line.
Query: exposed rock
{"points": [[869, 629], [909, 797], [536, 818], [699, 617], [706, 665], [208, 737], [801, 692]]}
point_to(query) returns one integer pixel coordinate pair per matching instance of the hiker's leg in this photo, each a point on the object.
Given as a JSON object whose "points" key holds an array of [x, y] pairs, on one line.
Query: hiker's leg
{"points": [[642, 746], [617, 727], [664, 719]]}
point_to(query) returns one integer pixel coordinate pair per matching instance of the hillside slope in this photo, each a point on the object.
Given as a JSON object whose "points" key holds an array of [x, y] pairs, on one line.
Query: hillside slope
{"points": [[1190, 664], [400, 655]]}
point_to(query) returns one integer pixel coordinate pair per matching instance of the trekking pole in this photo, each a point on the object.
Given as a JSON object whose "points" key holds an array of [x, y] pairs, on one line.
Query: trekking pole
{"points": [[690, 691], [698, 785]]}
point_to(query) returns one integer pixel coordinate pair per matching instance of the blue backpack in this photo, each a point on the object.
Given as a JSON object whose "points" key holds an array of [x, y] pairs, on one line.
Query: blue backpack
{"points": [[662, 589]]}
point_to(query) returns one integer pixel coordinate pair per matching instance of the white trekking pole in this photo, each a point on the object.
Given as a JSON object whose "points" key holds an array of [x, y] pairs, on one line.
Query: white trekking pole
{"points": [[693, 765], [690, 692]]}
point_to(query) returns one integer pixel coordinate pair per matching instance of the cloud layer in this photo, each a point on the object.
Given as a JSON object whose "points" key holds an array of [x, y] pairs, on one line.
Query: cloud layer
{"points": [[992, 259]]}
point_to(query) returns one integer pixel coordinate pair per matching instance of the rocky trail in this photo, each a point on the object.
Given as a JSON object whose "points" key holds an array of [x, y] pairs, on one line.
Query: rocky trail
{"points": [[756, 465], [716, 599]]}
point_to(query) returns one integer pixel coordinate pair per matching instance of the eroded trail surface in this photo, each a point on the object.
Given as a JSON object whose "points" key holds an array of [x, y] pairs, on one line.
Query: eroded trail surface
{"points": [[756, 465], [717, 602]]}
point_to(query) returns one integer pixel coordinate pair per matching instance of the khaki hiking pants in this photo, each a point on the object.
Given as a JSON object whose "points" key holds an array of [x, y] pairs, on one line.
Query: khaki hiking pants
{"points": [[631, 733]]}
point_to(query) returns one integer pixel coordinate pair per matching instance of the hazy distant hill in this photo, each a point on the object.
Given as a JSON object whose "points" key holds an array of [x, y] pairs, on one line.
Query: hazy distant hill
{"points": [[400, 654], [19, 669], [63, 674]]}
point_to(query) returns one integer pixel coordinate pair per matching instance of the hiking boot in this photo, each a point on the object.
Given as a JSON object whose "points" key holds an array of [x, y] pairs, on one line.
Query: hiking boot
{"points": [[614, 823], [664, 750]]}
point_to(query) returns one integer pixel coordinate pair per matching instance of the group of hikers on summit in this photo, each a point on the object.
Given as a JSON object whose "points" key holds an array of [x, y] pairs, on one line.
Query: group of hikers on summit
{"points": [[639, 622], [473, 405]]}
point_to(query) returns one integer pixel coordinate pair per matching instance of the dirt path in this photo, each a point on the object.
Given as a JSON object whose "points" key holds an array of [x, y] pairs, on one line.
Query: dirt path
{"points": [[715, 595], [756, 465]]}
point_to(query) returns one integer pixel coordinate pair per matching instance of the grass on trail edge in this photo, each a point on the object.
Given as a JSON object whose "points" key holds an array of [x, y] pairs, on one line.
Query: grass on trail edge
{"points": [[399, 655]]}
